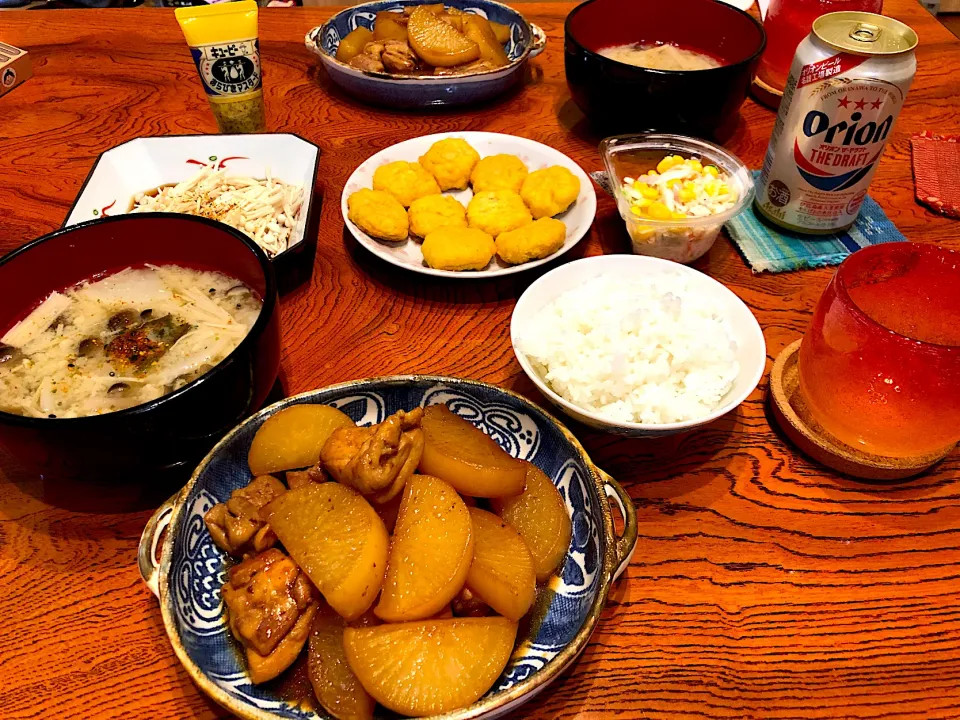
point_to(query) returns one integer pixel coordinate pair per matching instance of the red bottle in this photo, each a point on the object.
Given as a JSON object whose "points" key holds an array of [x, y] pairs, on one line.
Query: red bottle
{"points": [[787, 23]]}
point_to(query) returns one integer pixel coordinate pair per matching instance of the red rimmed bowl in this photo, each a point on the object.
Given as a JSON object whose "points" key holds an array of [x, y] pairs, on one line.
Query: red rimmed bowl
{"points": [[175, 430], [625, 98]]}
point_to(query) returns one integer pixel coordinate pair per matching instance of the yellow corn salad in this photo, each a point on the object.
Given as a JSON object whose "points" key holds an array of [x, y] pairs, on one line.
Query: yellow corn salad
{"points": [[680, 188]]}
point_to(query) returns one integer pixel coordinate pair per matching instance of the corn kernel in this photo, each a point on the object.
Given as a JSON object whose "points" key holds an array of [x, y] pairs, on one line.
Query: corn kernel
{"points": [[723, 189], [642, 203], [688, 185], [695, 165], [636, 211], [643, 233], [679, 216], [688, 195], [658, 211], [668, 162], [652, 173], [712, 170], [710, 187], [648, 191], [671, 184]]}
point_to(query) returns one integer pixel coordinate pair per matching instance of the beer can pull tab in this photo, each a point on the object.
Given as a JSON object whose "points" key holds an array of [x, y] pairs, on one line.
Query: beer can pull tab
{"points": [[866, 33]]}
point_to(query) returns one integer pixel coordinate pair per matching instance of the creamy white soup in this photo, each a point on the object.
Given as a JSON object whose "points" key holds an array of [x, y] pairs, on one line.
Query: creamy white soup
{"points": [[660, 57], [123, 340]]}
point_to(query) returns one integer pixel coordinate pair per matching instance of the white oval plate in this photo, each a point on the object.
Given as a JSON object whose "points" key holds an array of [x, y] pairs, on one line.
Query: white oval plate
{"points": [[536, 156]]}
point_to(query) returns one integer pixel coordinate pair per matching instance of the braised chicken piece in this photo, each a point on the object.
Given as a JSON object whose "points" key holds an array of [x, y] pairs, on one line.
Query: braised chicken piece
{"points": [[466, 604], [299, 478], [392, 56], [367, 62], [376, 460], [270, 607], [397, 57], [235, 525], [263, 668], [265, 596]]}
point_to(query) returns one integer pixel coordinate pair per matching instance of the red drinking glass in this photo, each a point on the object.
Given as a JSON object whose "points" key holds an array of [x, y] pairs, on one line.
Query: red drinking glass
{"points": [[788, 22], [880, 362]]}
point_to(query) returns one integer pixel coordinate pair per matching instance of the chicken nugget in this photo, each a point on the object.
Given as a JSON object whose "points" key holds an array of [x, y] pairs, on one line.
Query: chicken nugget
{"points": [[378, 214], [550, 191], [406, 181], [531, 242], [458, 249], [498, 172], [435, 212], [451, 161], [497, 211]]}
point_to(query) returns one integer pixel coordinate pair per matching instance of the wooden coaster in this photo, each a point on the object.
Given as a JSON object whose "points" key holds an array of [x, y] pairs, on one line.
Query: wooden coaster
{"points": [[794, 417], [765, 94]]}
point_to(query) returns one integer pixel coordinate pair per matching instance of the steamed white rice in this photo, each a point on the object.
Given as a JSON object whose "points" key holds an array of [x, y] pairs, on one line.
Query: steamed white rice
{"points": [[650, 351]]}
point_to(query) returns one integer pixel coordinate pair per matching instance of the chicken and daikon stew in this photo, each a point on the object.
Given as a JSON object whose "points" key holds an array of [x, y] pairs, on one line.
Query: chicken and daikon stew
{"points": [[427, 40], [112, 343], [402, 556]]}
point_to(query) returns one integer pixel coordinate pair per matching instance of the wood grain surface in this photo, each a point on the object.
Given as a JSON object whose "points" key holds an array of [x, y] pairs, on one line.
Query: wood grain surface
{"points": [[763, 586]]}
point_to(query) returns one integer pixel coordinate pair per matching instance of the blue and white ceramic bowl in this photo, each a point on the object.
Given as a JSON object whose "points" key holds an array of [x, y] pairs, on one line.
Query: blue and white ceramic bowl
{"points": [[407, 91], [191, 569]]}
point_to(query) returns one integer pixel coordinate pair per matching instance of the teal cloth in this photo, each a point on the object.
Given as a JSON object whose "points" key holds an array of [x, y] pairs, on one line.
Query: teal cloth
{"points": [[768, 248]]}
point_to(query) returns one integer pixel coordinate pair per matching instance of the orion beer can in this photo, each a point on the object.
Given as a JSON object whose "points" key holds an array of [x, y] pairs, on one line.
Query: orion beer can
{"points": [[846, 87]]}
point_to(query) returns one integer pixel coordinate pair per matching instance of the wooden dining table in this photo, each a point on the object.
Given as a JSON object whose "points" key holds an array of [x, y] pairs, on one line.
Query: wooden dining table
{"points": [[763, 584]]}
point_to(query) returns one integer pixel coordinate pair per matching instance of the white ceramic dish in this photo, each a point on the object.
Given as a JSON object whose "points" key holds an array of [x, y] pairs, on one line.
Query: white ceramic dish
{"points": [[536, 156], [146, 163], [751, 347]]}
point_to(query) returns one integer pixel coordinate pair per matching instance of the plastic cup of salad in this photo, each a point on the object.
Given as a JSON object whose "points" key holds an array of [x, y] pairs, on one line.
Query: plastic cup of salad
{"points": [[675, 192]]}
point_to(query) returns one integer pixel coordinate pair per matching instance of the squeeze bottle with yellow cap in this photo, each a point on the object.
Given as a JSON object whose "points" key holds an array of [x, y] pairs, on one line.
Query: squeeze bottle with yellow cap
{"points": [[224, 45]]}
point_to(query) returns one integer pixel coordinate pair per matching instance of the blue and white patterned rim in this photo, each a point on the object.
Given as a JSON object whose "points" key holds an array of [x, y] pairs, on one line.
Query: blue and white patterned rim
{"points": [[195, 568]]}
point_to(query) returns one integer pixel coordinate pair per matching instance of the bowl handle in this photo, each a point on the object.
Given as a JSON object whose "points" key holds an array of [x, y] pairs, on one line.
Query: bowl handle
{"points": [[312, 41], [539, 40], [147, 550], [627, 542]]}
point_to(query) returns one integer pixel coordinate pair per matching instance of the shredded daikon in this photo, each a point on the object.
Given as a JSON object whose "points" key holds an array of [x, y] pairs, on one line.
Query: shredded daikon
{"points": [[37, 321], [266, 210]]}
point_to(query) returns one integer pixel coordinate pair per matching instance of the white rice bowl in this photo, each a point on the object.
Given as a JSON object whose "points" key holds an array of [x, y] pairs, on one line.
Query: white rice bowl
{"points": [[650, 351]]}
